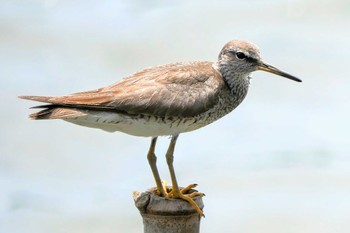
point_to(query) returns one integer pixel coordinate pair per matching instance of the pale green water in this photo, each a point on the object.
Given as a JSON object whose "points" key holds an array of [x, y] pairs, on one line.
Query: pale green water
{"points": [[279, 163]]}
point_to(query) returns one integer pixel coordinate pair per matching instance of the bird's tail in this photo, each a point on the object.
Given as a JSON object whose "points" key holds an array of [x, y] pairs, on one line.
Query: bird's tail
{"points": [[43, 114], [52, 111]]}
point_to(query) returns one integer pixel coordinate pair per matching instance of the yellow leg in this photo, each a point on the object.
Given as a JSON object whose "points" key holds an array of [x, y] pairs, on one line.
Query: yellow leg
{"points": [[152, 160], [176, 192]]}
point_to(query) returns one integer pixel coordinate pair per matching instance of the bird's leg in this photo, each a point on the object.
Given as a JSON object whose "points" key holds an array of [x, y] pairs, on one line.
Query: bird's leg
{"points": [[152, 160], [175, 191]]}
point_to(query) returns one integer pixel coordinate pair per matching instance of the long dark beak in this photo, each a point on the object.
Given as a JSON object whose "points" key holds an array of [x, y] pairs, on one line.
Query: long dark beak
{"points": [[274, 70]]}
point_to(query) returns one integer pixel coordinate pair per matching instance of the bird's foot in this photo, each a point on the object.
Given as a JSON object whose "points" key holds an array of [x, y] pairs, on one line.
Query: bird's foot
{"points": [[187, 194]]}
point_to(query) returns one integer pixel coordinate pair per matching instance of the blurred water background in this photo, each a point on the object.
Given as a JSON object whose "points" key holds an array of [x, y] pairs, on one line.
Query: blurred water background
{"points": [[279, 163]]}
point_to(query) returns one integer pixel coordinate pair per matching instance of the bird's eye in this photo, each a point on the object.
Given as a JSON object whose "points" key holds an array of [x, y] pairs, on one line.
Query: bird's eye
{"points": [[240, 55]]}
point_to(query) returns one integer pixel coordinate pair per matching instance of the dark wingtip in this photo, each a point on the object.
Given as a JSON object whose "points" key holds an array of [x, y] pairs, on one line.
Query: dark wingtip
{"points": [[43, 106]]}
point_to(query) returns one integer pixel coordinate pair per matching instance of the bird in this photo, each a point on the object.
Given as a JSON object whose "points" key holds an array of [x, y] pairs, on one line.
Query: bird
{"points": [[165, 100]]}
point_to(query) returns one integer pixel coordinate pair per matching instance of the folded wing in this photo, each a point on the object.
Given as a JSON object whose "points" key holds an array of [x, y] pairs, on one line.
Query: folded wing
{"points": [[181, 89]]}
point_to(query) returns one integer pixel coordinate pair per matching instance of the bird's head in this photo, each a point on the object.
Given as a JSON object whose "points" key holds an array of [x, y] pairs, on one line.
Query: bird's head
{"points": [[243, 57]]}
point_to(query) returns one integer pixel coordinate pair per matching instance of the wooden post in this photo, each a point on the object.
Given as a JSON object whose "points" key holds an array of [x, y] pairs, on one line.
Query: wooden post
{"points": [[161, 215]]}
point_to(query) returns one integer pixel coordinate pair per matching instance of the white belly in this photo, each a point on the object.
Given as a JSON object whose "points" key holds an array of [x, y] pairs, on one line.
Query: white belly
{"points": [[145, 126]]}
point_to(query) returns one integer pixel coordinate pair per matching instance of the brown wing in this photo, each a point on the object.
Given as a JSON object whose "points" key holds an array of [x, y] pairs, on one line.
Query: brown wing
{"points": [[181, 89]]}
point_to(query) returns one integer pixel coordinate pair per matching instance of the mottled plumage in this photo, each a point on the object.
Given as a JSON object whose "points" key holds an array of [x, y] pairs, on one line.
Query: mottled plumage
{"points": [[164, 100]]}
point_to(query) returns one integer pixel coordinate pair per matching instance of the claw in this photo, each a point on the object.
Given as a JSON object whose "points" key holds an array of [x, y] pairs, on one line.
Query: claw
{"points": [[184, 195]]}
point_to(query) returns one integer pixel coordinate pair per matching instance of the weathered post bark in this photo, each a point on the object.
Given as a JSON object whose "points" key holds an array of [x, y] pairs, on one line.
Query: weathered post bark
{"points": [[161, 215]]}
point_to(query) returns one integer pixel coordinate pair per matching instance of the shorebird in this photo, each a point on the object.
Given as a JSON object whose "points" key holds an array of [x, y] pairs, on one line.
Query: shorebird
{"points": [[165, 100]]}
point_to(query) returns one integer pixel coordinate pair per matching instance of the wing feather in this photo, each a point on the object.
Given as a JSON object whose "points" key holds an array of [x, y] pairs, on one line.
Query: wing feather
{"points": [[180, 89]]}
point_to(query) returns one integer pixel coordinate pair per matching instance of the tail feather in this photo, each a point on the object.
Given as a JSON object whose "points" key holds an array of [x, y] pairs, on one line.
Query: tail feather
{"points": [[42, 115], [54, 112]]}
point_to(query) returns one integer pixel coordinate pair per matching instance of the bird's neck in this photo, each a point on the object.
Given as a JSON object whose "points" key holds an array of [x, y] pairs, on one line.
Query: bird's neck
{"points": [[237, 82]]}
